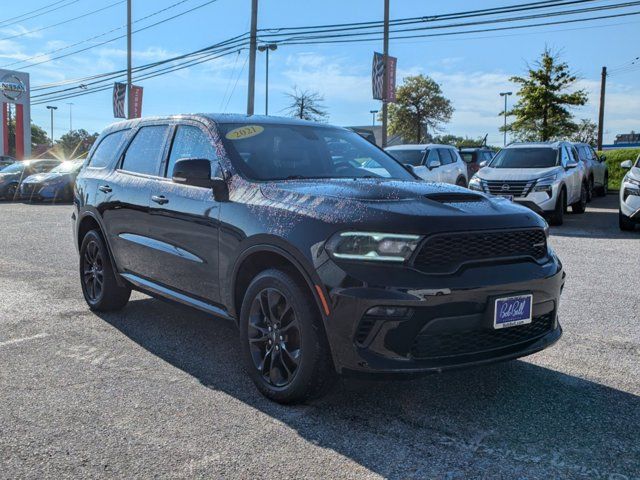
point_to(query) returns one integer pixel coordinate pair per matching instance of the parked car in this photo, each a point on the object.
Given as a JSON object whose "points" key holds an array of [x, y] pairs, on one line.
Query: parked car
{"points": [[473, 157], [12, 175], [325, 266], [629, 214], [56, 184], [546, 177], [432, 162], [596, 170], [6, 160]]}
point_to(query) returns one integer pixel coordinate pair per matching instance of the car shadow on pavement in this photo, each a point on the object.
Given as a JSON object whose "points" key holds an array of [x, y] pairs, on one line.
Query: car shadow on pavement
{"points": [[510, 420]]}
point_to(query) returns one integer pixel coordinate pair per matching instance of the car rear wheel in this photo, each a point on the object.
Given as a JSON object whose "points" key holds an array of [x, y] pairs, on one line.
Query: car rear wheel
{"points": [[625, 222], [590, 190], [581, 205], [99, 285], [557, 216], [283, 343], [604, 189], [461, 182]]}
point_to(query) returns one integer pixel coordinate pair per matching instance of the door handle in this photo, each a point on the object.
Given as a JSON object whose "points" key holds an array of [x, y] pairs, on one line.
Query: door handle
{"points": [[105, 188], [161, 199]]}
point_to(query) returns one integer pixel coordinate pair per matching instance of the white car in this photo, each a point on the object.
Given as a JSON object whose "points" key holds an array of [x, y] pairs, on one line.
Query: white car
{"points": [[432, 162], [546, 177], [596, 169], [630, 195]]}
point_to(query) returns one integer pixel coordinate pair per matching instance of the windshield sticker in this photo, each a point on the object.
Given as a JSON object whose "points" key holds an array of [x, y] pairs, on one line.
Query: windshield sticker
{"points": [[244, 132]]}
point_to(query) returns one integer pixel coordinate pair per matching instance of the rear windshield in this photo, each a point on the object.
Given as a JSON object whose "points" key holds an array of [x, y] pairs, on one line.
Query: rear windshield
{"points": [[467, 157], [281, 152], [408, 157], [523, 157]]}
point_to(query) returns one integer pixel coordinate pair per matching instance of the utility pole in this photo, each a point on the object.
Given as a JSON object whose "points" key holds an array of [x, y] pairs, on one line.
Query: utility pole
{"points": [[265, 48], [505, 95], [70, 116], [373, 115], [51, 109], [603, 86], [385, 78], [129, 109], [252, 57]]}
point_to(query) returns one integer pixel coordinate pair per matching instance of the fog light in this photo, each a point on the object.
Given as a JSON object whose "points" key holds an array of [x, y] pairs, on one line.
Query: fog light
{"points": [[389, 311]]}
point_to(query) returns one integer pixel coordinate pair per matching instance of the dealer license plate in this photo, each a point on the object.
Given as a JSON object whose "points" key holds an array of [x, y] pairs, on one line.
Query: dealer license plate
{"points": [[512, 311]]}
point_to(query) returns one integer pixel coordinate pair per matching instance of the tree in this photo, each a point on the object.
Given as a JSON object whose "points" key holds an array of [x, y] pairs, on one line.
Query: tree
{"points": [[587, 132], [460, 142], [38, 136], [306, 105], [542, 111], [419, 106], [75, 144]]}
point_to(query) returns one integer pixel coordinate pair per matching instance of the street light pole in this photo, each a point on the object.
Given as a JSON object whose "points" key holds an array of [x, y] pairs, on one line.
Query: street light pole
{"points": [[505, 95], [373, 119], [70, 116], [51, 109], [266, 48]]}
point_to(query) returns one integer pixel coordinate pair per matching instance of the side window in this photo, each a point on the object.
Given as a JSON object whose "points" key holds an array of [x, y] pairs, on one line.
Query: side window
{"points": [[432, 157], [565, 156], [106, 149], [573, 154], [190, 142], [445, 156], [145, 151], [593, 154]]}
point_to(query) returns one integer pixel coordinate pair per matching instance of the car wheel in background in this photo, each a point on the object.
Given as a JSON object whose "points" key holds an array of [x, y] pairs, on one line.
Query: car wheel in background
{"points": [[557, 216], [625, 222], [11, 192], [99, 285], [604, 189], [590, 188], [581, 205], [282, 339], [461, 182]]}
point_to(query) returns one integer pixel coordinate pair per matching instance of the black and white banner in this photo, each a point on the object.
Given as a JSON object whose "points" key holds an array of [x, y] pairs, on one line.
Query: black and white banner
{"points": [[119, 94]]}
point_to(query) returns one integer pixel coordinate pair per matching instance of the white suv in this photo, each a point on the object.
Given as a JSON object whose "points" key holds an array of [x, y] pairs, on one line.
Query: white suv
{"points": [[432, 162], [546, 177], [630, 195]]}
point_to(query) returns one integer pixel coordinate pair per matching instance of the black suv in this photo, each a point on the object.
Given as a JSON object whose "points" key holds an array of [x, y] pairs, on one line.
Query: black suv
{"points": [[329, 255]]}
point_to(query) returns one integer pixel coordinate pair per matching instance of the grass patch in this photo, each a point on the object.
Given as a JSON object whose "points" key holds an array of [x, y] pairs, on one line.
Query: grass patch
{"points": [[614, 159]]}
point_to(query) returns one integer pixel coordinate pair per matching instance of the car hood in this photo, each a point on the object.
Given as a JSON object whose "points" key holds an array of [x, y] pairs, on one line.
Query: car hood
{"points": [[47, 177], [388, 204], [488, 173]]}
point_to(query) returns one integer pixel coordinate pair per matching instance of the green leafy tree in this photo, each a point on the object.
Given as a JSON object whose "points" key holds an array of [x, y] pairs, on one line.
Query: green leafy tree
{"points": [[460, 142], [542, 111], [420, 106], [306, 105], [75, 144], [587, 132], [38, 136]]}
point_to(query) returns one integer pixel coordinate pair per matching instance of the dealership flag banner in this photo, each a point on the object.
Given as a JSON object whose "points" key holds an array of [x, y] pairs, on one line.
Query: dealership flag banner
{"points": [[377, 72], [136, 101], [119, 93]]}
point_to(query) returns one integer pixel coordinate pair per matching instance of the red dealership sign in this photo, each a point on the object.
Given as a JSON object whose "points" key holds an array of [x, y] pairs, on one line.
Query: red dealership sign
{"points": [[135, 99]]}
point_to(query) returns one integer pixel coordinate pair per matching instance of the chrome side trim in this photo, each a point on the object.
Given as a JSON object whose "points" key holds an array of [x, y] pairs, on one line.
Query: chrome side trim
{"points": [[162, 246], [172, 295]]}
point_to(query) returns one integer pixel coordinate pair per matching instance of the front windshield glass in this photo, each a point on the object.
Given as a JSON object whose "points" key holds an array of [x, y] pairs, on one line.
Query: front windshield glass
{"points": [[522, 157], [281, 152], [13, 168], [408, 157], [67, 167]]}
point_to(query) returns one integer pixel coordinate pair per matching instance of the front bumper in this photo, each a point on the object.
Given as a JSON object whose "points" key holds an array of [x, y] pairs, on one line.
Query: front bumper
{"points": [[451, 320], [540, 202], [39, 192]]}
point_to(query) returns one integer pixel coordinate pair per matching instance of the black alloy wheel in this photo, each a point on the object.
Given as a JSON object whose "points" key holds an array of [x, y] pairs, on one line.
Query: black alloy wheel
{"points": [[93, 271], [274, 337]]}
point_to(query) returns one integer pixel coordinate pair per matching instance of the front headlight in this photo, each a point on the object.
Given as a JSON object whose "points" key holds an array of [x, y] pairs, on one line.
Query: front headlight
{"points": [[475, 183], [372, 246], [548, 180], [632, 181]]}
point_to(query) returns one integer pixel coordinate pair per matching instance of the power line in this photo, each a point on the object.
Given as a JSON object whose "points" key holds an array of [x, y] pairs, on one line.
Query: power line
{"points": [[18, 18], [29, 32]]}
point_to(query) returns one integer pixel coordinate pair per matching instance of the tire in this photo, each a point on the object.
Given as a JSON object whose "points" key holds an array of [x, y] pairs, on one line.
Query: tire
{"points": [[11, 192], [461, 182], [626, 224], [581, 205], [99, 285], [590, 188], [557, 217], [278, 315], [604, 189]]}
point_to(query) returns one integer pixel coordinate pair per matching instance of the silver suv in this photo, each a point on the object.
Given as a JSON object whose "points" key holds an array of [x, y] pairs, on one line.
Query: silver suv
{"points": [[630, 195], [432, 162], [596, 170], [546, 177]]}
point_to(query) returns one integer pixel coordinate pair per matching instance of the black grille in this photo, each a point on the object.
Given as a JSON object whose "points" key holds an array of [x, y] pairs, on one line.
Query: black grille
{"points": [[364, 328], [467, 342], [508, 187], [445, 253]]}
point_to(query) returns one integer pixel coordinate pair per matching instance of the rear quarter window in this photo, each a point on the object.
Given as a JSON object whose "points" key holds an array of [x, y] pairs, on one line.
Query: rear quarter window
{"points": [[107, 149]]}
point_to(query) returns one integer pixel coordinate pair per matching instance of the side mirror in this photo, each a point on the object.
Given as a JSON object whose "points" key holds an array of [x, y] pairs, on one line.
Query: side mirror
{"points": [[433, 164], [571, 165], [482, 164], [197, 173], [627, 164]]}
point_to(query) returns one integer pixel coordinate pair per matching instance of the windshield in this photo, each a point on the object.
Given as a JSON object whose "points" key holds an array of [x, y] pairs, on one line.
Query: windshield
{"points": [[408, 157], [467, 157], [67, 167], [13, 168], [534, 157], [281, 152]]}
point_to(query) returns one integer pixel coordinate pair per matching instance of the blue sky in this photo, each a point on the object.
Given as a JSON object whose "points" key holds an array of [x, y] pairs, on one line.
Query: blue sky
{"points": [[471, 69]]}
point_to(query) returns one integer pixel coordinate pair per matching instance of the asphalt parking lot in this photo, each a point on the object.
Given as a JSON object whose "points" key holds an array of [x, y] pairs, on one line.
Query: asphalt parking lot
{"points": [[156, 390]]}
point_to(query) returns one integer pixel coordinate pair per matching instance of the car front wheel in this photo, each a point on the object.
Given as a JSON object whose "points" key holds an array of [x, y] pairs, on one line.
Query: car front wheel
{"points": [[557, 216], [283, 343]]}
